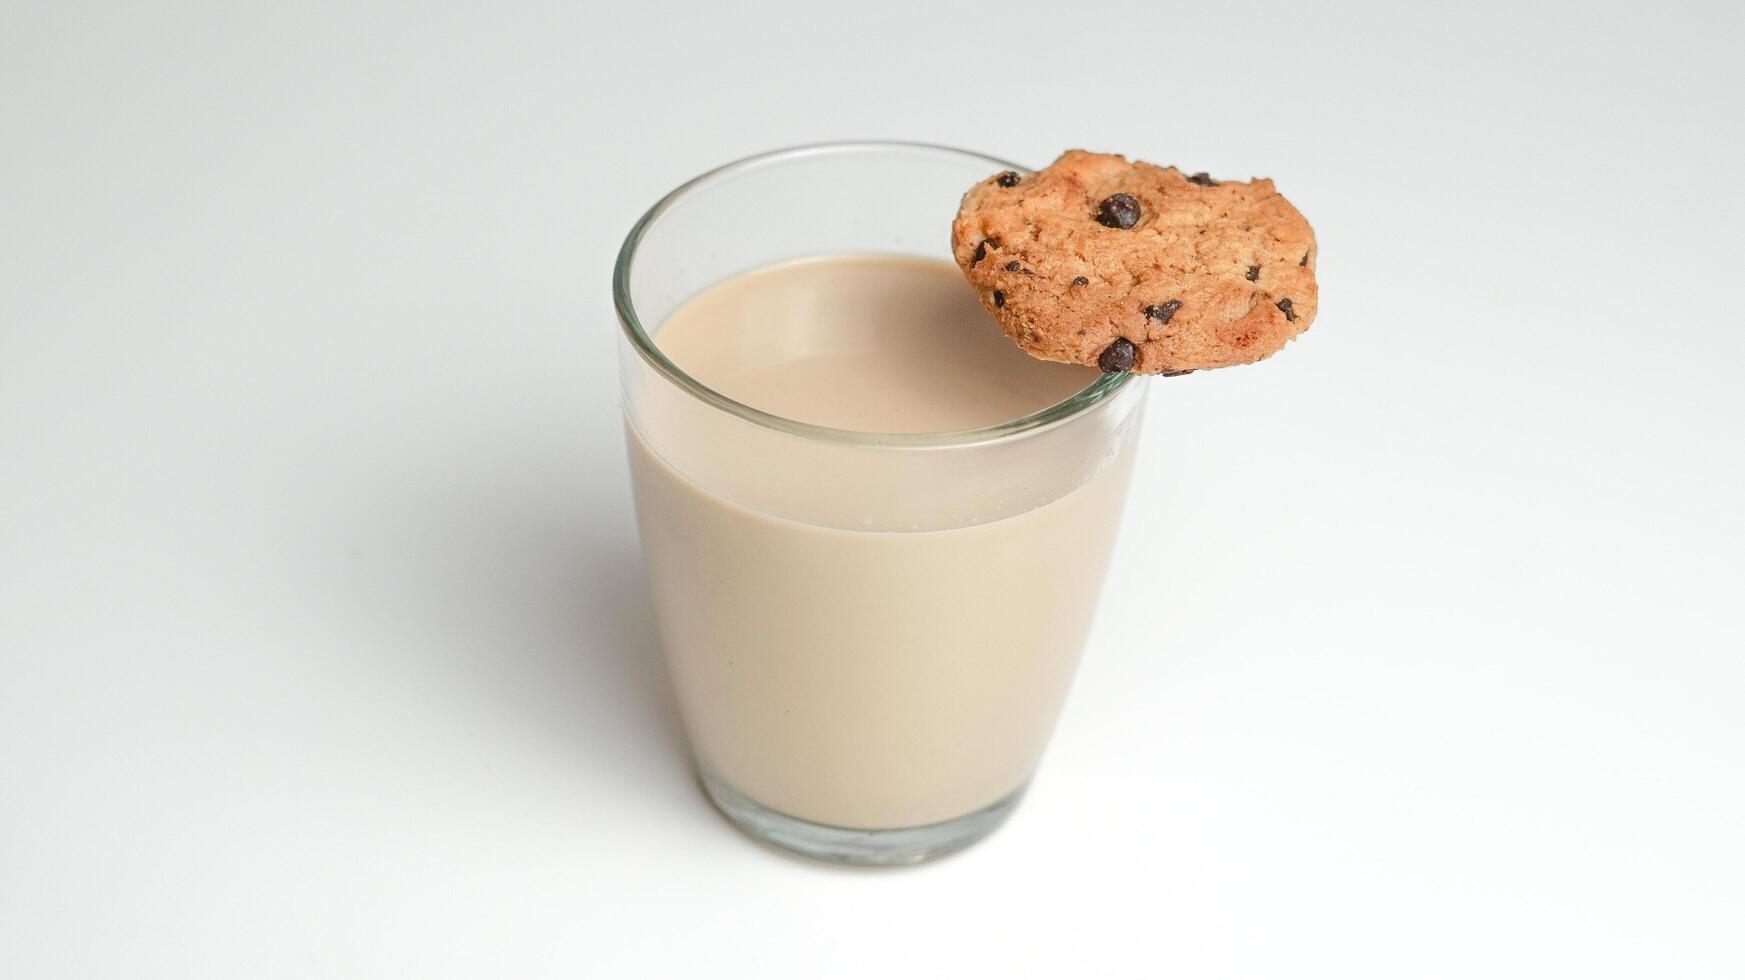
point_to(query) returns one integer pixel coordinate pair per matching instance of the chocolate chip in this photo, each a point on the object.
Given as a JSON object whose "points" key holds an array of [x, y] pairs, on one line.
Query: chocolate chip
{"points": [[999, 299], [1118, 211], [1007, 179], [1175, 374], [981, 253], [1203, 179], [1080, 281], [1253, 273], [1014, 266], [1304, 260], [1290, 314], [1162, 312], [1118, 356]]}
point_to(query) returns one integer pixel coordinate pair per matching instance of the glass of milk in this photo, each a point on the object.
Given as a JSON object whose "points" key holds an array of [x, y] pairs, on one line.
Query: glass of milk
{"points": [[875, 531]]}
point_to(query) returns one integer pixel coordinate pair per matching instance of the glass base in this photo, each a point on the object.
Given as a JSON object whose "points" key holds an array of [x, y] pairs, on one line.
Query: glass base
{"points": [[842, 845]]}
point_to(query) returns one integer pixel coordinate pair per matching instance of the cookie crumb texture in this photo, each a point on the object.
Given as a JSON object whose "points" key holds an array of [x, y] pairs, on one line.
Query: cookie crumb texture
{"points": [[1232, 262]]}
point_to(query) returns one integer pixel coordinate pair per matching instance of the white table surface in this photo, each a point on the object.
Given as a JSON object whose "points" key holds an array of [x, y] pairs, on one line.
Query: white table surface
{"points": [[323, 647]]}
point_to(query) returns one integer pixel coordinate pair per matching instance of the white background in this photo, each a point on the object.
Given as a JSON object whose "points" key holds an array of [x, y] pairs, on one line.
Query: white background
{"points": [[323, 646]]}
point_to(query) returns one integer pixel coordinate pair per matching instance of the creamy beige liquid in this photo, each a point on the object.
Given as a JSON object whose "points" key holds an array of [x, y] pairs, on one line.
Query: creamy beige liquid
{"points": [[868, 679]]}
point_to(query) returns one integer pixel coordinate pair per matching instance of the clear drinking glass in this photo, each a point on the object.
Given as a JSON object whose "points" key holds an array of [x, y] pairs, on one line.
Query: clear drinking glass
{"points": [[870, 635]]}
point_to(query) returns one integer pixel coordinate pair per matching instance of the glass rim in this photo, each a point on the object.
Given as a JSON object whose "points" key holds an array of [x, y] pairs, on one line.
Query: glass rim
{"points": [[1074, 405]]}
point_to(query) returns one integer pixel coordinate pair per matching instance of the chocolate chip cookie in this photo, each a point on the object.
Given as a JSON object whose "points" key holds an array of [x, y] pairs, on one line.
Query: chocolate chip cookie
{"points": [[1136, 267]]}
